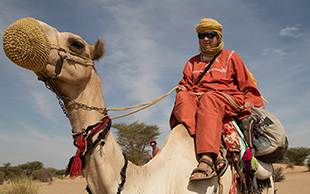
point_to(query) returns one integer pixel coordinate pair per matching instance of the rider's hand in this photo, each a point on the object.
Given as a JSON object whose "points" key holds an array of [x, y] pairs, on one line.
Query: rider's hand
{"points": [[181, 88]]}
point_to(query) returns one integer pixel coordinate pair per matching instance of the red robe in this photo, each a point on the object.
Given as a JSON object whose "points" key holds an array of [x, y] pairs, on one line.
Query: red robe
{"points": [[204, 117], [155, 151]]}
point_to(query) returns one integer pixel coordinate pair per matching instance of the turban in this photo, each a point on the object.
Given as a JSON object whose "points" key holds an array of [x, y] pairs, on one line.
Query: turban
{"points": [[153, 143], [207, 25]]}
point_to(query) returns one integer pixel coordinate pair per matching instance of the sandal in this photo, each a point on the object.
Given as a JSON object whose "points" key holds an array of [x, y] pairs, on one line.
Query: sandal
{"points": [[224, 161], [204, 171]]}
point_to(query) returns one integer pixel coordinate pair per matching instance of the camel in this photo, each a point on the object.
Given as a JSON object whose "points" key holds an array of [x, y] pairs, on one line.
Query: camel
{"points": [[65, 63]]}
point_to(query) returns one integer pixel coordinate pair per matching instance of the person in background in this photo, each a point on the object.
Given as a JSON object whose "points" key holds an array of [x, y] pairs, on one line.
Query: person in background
{"points": [[155, 149]]}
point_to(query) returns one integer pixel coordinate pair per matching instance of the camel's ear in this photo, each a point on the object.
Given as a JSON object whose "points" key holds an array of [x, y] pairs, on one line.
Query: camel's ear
{"points": [[98, 50]]}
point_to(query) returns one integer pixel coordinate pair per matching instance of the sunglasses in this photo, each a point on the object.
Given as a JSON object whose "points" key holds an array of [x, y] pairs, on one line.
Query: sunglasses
{"points": [[208, 35]]}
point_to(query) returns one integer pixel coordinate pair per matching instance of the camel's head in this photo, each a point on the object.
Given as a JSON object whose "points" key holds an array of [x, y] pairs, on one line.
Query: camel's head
{"points": [[36, 46]]}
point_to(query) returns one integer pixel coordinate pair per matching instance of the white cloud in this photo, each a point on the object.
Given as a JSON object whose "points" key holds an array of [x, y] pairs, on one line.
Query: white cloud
{"points": [[273, 52], [291, 32]]}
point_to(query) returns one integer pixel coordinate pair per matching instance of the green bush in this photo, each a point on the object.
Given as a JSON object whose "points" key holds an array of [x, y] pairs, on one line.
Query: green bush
{"points": [[11, 172], [30, 167], [278, 177], [43, 175], [298, 155], [59, 174], [35, 168], [20, 185]]}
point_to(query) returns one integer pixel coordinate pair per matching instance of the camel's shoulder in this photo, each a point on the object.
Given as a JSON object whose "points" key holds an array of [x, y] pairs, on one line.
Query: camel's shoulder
{"points": [[179, 140]]}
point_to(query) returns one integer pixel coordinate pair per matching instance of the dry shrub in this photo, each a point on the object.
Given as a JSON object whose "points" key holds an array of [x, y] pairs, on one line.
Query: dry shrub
{"points": [[20, 185], [290, 165], [278, 177], [43, 175]]}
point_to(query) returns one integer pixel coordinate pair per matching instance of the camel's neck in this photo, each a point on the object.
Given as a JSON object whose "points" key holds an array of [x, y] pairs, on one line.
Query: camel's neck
{"points": [[106, 161], [103, 167], [88, 93]]}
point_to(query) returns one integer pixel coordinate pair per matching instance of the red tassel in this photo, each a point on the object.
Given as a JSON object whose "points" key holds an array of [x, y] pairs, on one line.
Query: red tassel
{"points": [[80, 143], [76, 167], [247, 156]]}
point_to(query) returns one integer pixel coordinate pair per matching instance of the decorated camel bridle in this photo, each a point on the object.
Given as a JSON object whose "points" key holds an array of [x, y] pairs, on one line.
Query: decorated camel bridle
{"points": [[60, 96]]}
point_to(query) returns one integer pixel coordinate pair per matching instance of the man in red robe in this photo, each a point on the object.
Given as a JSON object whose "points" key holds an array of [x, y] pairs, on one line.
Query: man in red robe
{"points": [[202, 107]]}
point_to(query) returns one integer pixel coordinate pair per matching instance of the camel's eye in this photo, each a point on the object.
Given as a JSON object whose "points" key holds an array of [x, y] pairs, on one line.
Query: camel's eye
{"points": [[77, 45]]}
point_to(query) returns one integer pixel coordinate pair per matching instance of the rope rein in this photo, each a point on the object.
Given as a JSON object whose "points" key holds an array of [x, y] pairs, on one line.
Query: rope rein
{"points": [[103, 111], [144, 105]]}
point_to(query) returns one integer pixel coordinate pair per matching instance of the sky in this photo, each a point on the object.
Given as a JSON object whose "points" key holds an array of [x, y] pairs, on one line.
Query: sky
{"points": [[147, 44]]}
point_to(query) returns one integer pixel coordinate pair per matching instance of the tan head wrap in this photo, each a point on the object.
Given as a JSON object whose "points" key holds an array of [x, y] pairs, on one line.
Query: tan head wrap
{"points": [[207, 25]]}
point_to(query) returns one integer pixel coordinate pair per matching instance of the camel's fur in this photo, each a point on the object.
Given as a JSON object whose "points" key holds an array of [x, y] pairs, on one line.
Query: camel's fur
{"points": [[167, 173]]}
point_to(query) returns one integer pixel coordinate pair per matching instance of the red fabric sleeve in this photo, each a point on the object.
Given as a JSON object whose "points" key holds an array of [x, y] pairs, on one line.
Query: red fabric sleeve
{"points": [[245, 82], [187, 76]]}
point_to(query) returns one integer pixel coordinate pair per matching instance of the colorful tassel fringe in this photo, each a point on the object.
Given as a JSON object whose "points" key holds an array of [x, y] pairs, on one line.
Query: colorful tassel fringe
{"points": [[250, 162]]}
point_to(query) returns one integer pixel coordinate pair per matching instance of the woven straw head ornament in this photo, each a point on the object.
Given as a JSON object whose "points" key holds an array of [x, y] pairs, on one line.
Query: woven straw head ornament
{"points": [[26, 44]]}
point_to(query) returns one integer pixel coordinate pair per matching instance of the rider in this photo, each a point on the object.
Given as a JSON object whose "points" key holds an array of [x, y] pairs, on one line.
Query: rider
{"points": [[202, 108]]}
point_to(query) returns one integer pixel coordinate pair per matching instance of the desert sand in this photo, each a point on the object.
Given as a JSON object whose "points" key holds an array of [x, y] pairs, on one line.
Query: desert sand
{"points": [[297, 181], [65, 186]]}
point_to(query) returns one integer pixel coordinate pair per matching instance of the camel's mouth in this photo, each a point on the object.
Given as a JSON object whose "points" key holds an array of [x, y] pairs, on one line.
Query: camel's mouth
{"points": [[42, 76], [47, 74]]}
